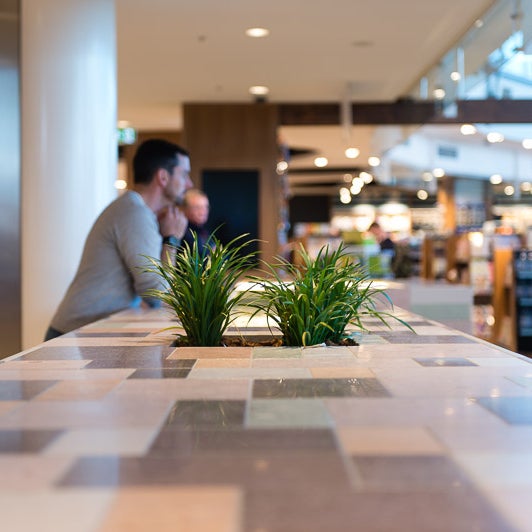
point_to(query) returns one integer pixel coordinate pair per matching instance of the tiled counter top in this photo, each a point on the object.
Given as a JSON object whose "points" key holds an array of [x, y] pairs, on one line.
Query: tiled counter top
{"points": [[109, 429]]}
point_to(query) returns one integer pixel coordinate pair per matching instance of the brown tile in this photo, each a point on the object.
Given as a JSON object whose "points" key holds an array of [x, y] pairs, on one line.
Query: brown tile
{"points": [[316, 507], [177, 441], [267, 469]]}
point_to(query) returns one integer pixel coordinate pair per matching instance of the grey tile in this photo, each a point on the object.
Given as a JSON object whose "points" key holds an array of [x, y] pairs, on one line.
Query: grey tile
{"points": [[79, 334], [161, 373], [26, 441], [210, 414], [411, 338], [444, 361], [22, 390], [513, 410], [292, 388]]}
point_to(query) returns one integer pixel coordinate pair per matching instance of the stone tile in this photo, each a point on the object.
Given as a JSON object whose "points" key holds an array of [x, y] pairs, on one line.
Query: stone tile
{"points": [[79, 390], [223, 363], [26, 441], [176, 509], [27, 472], [163, 373], [250, 373], [288, 413], [211, 352], [218, 415], [444, 361], [264, 469], [389, 441], [410, 412], [109, 441], [342, 372], [277, 352], [58, 511], [107, 413], [94, 352], [172, 389], [411, 338], [409, 473], [159, 362], [514, 410], [339, 387], [179, 440], [11, 390], [317, 507]]}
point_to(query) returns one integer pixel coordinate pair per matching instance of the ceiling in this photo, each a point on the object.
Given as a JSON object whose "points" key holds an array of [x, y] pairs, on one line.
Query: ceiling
{"points": [[172, 52]]}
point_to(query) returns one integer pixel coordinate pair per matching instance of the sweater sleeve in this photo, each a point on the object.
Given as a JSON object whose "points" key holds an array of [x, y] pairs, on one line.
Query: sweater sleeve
{"points": [[139, 238]]}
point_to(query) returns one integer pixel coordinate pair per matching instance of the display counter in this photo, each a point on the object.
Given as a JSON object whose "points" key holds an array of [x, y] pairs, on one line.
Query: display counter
{"points": [[110, 429]]}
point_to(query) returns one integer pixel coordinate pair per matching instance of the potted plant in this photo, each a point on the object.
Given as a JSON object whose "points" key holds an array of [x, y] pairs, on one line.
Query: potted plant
{"points": [[320, 298], [200, 287]]}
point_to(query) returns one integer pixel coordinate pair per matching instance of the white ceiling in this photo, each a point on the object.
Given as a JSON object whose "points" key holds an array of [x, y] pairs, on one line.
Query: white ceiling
{"points": [[171, 52]]}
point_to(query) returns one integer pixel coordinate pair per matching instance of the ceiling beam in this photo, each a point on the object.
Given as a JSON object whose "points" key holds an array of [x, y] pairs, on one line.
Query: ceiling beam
{"points": [[407, 112]]}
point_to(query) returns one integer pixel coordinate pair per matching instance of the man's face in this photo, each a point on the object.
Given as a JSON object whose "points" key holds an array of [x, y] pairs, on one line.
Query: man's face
{"points": [[179, 181], [197, 209]]}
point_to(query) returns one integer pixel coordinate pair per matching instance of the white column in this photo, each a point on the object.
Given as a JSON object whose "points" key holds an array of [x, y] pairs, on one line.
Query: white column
{"points": [[69, 150]]}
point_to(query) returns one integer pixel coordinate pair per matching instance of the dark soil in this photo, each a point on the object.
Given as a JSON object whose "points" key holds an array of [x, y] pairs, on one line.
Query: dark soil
{"points": [[257, 341]]}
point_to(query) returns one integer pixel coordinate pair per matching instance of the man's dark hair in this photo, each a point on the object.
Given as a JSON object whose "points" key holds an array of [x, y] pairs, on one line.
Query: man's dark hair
{"points": [[152, 155]]}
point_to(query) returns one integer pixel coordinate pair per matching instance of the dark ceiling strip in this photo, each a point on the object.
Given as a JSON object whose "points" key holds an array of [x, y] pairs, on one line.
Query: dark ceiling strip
{"points": [[407, 112]]}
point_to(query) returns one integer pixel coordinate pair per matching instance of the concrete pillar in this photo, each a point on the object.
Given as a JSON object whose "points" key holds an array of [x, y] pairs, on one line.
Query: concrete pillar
{"points": [[69, 148]]}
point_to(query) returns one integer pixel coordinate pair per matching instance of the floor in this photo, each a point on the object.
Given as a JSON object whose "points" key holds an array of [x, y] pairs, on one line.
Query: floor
{"points": [[109, 429]]}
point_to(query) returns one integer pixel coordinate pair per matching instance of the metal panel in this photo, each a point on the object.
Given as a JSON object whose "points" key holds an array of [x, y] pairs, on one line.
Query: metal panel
{"points": [[10, 282]]}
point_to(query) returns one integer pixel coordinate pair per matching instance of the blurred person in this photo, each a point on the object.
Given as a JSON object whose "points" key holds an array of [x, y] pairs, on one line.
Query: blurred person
{"points": [[196, 207], [382, 238], [142, 222]]}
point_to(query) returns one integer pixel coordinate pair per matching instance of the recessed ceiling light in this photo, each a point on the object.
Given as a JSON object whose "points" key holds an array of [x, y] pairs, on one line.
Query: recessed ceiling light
{"points": [[422, 194], [438, 93], [352, 153], [455, 76], [321, 162], [438, 172], [527, 144], [494, 136], [374, 161], [259, 90], [257, 32], [468, 129], [496, 179]]}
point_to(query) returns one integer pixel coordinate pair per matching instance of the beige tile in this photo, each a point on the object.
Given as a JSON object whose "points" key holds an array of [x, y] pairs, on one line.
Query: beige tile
{"points": [[30, 472], [79, 510], [389, 441], [212, 352], [205, 509], [123, 442], [42, 364], [223, 363], [341, 372], [513, 503], [79, 390]]}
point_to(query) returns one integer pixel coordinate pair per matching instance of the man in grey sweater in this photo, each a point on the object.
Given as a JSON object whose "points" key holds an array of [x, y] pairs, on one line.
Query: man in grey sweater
{"points": [[142, 222]]}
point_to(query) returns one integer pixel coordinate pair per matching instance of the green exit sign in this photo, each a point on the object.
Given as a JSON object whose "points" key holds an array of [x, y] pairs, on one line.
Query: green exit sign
{"points": [[126, 135]]}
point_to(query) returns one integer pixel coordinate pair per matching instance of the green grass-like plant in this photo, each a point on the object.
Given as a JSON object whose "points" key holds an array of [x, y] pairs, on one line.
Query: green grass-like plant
{"points": [[321, 298], [200, 286]]}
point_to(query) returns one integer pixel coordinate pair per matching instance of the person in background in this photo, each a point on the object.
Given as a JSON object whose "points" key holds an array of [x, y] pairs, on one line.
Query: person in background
{"points": [[382, 238], [196, 208], [142, 222]]}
